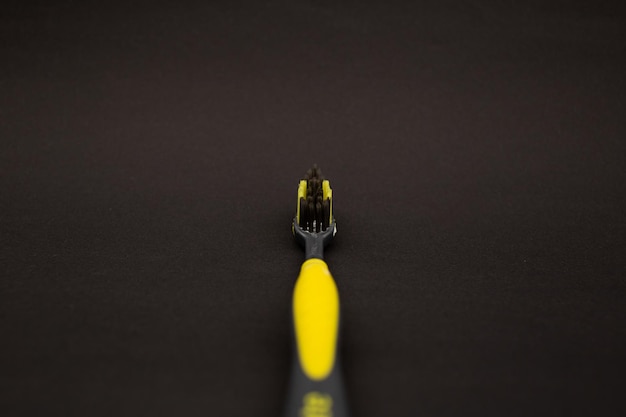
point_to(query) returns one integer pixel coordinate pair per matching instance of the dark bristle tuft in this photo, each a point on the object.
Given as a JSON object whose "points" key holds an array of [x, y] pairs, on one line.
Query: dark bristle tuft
{"points": [[314, 210], [325, 213]]}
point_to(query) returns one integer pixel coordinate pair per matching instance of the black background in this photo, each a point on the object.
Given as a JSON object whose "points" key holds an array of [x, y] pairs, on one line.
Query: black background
{"points": [[149, 159]]}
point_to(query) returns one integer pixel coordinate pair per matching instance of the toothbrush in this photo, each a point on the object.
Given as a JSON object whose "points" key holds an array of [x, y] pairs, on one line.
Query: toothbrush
{"points": [[316, 387]]}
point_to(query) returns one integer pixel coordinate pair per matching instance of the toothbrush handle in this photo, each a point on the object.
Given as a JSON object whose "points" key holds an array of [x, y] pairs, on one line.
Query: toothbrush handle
{"points": [[316, 388]]}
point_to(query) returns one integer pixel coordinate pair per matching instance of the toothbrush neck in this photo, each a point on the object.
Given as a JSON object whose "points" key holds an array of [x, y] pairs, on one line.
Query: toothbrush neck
{"points": [[314, 248]]}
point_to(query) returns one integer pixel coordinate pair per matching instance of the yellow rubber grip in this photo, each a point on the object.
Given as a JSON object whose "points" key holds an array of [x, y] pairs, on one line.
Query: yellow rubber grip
{"points": [[316, 319]]}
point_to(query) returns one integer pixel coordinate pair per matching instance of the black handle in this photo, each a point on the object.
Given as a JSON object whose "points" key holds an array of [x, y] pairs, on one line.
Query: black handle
{"points": [[310, 398]]}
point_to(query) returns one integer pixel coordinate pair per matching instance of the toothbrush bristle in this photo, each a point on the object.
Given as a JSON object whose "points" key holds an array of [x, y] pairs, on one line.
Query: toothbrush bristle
{"points": [[315, 211]]}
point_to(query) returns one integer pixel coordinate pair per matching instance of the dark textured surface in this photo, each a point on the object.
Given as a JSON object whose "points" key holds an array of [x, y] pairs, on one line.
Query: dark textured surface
{"points": [[149, 159]]}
